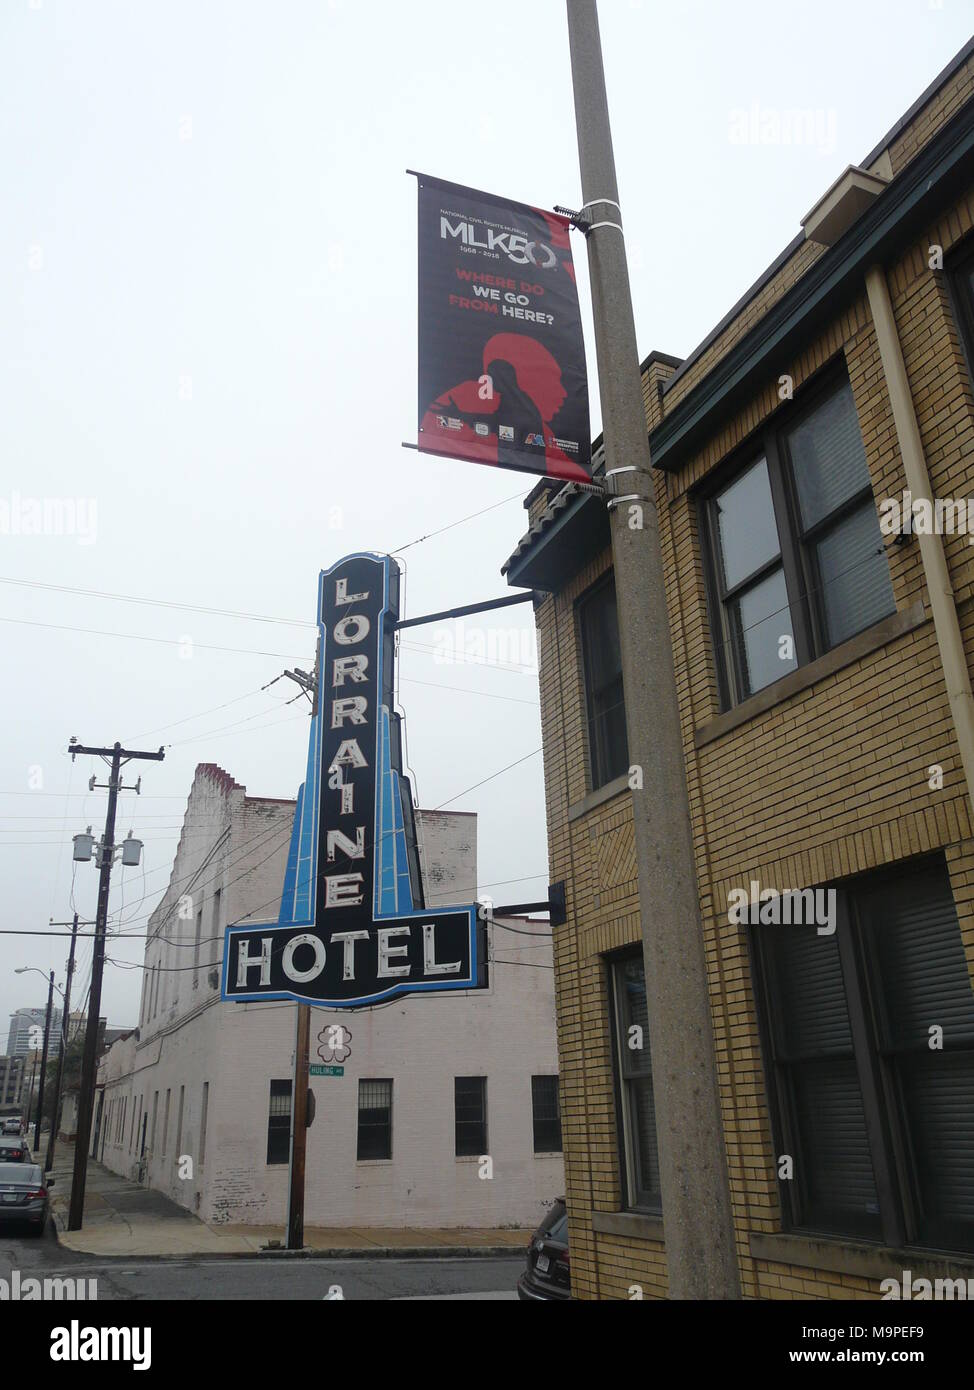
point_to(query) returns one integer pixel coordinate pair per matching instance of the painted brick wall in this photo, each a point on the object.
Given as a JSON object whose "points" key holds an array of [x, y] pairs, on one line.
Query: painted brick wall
{"points": [[505, 1033]]}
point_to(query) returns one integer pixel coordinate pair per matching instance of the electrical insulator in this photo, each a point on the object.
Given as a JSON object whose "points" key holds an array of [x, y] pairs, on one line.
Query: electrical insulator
{"points": [[131, 851], [83, 846]]}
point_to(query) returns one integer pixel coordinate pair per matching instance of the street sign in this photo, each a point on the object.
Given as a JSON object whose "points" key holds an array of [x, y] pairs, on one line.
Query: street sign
{"points": [[317, 1070], [352, 928]]}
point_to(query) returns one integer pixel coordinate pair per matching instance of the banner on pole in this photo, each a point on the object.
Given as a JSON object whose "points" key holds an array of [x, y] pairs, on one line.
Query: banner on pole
{"points": [[501, 357]]}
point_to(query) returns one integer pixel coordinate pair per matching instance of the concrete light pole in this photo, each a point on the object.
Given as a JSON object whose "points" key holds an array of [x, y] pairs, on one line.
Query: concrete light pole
{"points": [[697, 1218]]}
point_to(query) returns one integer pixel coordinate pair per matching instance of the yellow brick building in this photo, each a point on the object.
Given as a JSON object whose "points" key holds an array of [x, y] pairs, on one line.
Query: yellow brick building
{"points": [[822, 662]]}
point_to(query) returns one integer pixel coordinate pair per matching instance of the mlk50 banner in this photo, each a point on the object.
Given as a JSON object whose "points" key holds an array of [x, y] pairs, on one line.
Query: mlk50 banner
{"points": [[501, 357]]}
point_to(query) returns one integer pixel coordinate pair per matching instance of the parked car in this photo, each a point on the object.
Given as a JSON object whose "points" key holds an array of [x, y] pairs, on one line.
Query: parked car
{"points": [[548, 1273], [12, 1124], [13, 1149], [24, 1195]]}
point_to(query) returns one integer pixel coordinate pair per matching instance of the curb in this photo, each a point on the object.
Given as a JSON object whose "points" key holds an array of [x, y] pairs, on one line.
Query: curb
{"points": [[337, 1252], [382, 1252]]}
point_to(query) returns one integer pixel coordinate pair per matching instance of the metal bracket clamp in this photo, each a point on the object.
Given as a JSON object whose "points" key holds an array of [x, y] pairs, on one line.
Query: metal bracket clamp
{"points": [[629, 497], [581, 222], [594, 226], [592, 202]]}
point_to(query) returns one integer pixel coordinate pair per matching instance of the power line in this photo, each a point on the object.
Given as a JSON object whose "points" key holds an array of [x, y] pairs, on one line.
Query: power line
{"points": [[430, 534], [440, 807], [156, 602], [160, 641]]}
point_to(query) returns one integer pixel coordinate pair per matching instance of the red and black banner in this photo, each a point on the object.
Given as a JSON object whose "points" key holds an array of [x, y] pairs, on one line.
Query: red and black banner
{"points": [[501, 357]]}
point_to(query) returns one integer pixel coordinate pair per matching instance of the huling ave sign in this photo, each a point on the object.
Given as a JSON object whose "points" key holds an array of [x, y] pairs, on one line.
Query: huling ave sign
{"points": [[352, 929]]}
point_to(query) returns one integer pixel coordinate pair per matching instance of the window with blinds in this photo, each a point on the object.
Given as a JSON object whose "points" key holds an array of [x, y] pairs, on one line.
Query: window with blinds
{"points": [[279, 1123], [796, 559], [634, 1087], [470, 1115], [869, 1038], [546, 1114], [961, 280], [598, 625], [374, 1119]]}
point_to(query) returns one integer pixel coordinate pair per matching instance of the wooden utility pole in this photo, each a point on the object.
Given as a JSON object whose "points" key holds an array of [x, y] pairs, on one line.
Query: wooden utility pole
{"points": [[65, 1034], [698, 1226], [47, 1042], [86, 1099], [299, 1129]]}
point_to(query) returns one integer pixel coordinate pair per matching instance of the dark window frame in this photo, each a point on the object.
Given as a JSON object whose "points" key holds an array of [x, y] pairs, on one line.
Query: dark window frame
{"points": [[598, 774], [373, 1129], [796, 556], [474, 1145], [887, 1117], [540, 1147], [644, 1202], [959, 263], [279, 1122]]}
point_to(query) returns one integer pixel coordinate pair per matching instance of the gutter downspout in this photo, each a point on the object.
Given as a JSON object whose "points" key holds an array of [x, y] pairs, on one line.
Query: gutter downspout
{"points": [[946, 626]]}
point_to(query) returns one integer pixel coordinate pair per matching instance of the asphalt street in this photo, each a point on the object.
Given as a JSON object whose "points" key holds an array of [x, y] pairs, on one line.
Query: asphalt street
{"points": [[261, 1278]]}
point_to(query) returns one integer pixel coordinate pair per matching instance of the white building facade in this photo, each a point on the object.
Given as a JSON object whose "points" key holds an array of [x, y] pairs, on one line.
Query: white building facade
{"points": [[439, 1111]]}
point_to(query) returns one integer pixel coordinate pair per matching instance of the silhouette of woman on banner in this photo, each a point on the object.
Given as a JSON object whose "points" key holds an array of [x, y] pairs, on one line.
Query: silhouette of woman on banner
{"points": [[505, 417]]}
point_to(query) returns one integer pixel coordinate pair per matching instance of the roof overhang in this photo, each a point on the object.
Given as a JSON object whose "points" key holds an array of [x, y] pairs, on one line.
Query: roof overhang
{"points": [[853, 192], [571, 530]]}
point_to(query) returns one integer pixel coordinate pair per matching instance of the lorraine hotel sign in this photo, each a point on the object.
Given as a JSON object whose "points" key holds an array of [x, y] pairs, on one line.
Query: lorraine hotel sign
{"points": [[352, 928]]}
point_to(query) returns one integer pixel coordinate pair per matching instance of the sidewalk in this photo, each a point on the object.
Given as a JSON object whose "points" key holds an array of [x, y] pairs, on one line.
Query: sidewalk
{"points": [[121, 1218]]}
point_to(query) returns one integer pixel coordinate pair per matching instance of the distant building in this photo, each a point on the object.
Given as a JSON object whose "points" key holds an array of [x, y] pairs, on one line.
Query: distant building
{"points": [[422, 1091], [11, 1083], [27, 1032]]}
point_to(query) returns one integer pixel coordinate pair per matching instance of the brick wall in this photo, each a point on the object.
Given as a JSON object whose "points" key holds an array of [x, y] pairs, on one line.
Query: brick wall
{"points": [[825, 784]]}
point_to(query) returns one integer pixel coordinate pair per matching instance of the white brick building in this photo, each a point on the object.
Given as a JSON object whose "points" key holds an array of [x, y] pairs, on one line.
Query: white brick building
{"points": [[200, 1079]]}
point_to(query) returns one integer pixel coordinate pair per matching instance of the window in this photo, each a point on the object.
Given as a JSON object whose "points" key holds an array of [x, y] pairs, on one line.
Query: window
{"points": [[165, 1122], [470, 1115], [634, 1087], [374, 1119], [204, 1108], [213, 953], [869, 1037], [797, 559], [179, 1121], [279, 1123], [962, 285], [196, 948], [546, 1114], [598, 627]]}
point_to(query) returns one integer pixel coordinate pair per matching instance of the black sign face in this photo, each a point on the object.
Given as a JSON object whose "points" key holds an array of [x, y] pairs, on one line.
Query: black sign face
{"points": [[501, 356], [352, 930]]}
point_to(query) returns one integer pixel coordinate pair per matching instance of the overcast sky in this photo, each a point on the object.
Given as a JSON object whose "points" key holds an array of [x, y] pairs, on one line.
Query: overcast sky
{"points": [[208, 318]]}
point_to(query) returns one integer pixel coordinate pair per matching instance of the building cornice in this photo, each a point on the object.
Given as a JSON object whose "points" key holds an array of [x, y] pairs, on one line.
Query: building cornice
{"points": [[915, 195]]}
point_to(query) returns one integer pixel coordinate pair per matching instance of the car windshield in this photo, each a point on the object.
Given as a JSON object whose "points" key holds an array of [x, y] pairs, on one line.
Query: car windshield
{"points": [[20, 1173]]}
